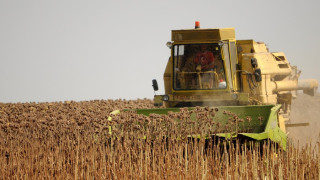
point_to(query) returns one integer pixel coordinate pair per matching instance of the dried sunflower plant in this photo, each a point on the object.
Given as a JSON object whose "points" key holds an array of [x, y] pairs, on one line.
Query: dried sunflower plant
{"points": [[72, 140]]}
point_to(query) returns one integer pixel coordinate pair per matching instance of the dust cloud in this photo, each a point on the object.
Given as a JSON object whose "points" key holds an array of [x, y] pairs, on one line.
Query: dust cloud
{"points": [[305, 109]]}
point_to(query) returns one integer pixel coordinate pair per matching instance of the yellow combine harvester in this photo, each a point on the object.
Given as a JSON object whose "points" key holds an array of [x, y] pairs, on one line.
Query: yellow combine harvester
{"points": [[250, 88], [209, 67]]}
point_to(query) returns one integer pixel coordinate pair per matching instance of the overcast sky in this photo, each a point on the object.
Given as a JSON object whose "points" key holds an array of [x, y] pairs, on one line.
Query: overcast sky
{"points": [[85, 50]]}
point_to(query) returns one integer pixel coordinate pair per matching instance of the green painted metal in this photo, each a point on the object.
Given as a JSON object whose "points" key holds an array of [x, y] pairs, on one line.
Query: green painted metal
{"points": [[147, 112], [257, 122]]}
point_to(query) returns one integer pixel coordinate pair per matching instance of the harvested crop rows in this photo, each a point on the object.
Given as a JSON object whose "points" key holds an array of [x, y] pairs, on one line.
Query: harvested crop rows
{"points": [[72, 140]]}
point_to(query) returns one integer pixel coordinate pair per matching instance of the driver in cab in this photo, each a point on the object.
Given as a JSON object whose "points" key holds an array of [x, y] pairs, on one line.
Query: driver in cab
{"points": [[204, 61]]}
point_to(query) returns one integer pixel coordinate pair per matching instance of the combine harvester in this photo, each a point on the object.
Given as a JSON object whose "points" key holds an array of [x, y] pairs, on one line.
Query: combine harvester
{"points": [[210, 68]]}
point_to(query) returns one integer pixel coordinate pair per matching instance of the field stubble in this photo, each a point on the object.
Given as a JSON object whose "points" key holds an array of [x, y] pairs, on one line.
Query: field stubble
{"points": [[71, 140]]}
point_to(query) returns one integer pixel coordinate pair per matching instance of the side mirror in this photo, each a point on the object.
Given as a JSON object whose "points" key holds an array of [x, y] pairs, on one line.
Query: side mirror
{"points": [[257, 75], [155, 85]]}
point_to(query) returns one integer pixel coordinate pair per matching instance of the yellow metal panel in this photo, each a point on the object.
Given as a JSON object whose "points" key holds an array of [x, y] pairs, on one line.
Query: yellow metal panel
{"points": [[233, 64], [167, 77], [197, 35]]}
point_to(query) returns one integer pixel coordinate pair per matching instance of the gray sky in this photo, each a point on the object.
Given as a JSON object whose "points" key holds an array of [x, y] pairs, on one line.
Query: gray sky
{"points": [[85, 50]]}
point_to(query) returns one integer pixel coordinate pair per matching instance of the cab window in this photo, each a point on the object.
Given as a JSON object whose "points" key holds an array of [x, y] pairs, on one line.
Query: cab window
{"points": [[198, 66]]}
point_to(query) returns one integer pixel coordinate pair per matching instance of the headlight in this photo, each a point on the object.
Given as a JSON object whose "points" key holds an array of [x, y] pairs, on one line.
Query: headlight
{"points": [[165, 97], [234, 96], [169, 44]]}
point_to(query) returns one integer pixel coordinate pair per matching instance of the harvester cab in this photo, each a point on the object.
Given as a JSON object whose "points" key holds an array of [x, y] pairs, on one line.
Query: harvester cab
{"points": [[202, 69], [209, 67]]}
